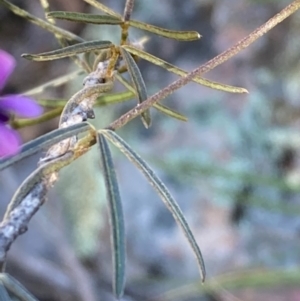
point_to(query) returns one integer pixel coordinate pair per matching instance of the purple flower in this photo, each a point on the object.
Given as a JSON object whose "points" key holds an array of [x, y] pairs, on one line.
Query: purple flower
{"points": [[16, 104]]}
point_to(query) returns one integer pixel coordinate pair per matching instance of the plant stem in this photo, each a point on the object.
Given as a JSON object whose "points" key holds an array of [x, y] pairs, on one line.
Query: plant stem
{"points": [[128, 10], [211, 64], [20, 123]]}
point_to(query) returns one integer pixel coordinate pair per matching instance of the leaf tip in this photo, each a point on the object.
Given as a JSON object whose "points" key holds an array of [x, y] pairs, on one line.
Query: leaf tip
{"points": [[146, 123], [203, 277], [49, 16], [26, 56]]}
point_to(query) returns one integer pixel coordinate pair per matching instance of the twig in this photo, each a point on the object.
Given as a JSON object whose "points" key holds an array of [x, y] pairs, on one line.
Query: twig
{"points": [[216, 61], [17, 223], [78, 109], [32, 193], [128, 10]]}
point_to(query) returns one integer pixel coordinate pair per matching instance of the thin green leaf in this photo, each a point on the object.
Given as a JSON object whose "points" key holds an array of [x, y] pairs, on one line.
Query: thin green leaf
{"points": [[251, 279], [162, 191], [19, 123], [167, 33], [4, 294], [68, 51], [109, 99], [163, 109], [85, 18], [44, 24], [52, 102], [103, 100], [139, 84], [45, 5], [36, 178], [116, 217], [103, 8], [171, 68], [54, 83], [43, 142], [16, 288], [170, 112]]}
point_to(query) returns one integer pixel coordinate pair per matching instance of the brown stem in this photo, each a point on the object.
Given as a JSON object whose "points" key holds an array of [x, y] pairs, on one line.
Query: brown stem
{"points": [[128, 10], [219, 59]]}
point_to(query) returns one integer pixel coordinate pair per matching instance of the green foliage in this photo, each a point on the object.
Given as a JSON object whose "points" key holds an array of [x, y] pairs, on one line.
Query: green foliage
{"points": [[44, 142], [106, 63], [68, 51], [139, 84], [162, 191], [116, 216], [9, 284]]}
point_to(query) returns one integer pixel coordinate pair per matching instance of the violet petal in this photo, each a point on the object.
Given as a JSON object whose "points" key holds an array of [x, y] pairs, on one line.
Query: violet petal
{"points": [[9, 141], [20, 105], [4, 117], [7, 65]]}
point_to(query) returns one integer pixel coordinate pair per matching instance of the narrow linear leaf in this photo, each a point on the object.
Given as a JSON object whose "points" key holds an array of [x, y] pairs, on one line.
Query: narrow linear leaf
{"points": [[171, 68], [85, 18], [46, 25], [54, 83], [116, 217], [36, 178], [138, 83], [162, 191], [4, 294], [103, 8], [162, 108], [170, 112], [45, 5], [257, 278], [43, 142], [109, 99], [23, 122], [68, 51], [167, 33], [52, 102], [103, 100], [16, 288], [80, 62]]}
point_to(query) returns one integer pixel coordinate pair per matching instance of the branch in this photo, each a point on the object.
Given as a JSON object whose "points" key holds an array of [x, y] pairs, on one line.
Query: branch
{"points": [[78, 109], [216, 61], [128, 10], [32, 193]]}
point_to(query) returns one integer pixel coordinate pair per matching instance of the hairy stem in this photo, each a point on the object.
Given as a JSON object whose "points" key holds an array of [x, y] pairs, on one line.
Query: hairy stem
{"points": [[211, 64], [128, 10]]}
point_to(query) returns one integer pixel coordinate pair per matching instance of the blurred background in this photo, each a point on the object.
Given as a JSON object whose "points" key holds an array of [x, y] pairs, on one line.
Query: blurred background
{"points": [[234, 167]]}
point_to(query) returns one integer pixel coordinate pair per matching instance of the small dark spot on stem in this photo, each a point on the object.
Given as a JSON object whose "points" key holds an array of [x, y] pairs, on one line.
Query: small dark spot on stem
{"points": [[23, 229]]}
